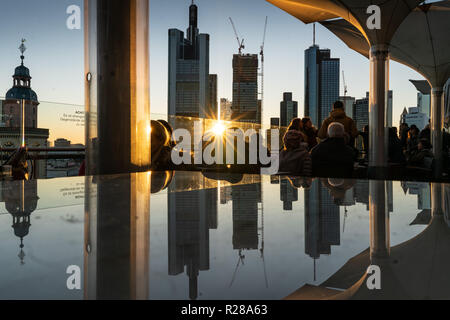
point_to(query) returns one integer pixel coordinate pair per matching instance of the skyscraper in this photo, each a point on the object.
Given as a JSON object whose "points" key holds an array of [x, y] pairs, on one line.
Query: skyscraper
{"points": [[321, 83], [213, 110], [349, 105], [288, 194], [189, 79], [190, 217], [423, 96], [246, 107], [361, 112], [322, 221], [288, 109]]}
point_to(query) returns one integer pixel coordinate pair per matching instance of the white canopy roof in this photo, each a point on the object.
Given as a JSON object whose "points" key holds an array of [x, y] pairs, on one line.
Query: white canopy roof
{"points": [[354, 11], [420, 42]]}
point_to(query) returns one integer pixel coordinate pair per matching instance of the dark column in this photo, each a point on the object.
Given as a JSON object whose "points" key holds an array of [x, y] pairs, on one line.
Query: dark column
{"points": [[117, 86]]}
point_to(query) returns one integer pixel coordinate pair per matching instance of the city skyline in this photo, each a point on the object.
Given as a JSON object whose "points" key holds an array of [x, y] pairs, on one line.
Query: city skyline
{"points": [[284, 57]]}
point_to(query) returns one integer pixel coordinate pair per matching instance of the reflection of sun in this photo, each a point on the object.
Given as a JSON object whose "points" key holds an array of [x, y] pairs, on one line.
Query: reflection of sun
{"points": [[219, 129]]}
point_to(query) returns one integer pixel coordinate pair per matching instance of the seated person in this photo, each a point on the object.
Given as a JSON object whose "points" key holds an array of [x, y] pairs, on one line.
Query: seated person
{"points": [[422, 156], [333, 157], [294, 158], [395, 152]]}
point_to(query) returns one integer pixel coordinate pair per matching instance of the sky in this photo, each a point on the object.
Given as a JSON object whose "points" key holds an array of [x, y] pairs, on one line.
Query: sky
{"points": [[55, 53]]}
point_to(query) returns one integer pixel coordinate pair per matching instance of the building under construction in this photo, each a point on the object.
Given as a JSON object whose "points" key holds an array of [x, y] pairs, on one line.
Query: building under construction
{"points": [[246, 106]]}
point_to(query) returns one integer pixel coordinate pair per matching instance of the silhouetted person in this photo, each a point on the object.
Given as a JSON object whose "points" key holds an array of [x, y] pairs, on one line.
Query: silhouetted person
{"points": [[404, 130], [426, 133], [413, 139], [422, 156], [294, 158], [395, 151], [338, 115], [297, 124], [365, 136], [310, 131], [333, 157]]}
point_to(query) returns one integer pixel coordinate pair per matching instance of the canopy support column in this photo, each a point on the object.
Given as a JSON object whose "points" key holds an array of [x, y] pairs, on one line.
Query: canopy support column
{"points": [[379, 88], [437, 125]]}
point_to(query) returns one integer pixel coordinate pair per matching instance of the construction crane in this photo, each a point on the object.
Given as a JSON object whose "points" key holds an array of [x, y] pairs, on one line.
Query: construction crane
{"points": [[345, 85], [241, 45], [262, 66]]}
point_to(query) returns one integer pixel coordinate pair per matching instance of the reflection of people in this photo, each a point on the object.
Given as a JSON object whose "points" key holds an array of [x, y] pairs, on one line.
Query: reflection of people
{"points": [[19, 165], [300, 182], [338, 187], [161, 180]]}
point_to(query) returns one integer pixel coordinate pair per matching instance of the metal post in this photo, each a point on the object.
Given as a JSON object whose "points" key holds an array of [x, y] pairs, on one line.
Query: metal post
{"points": [[117, 86], [117, 142], [379, 88], [437, 125], [437, 200]]}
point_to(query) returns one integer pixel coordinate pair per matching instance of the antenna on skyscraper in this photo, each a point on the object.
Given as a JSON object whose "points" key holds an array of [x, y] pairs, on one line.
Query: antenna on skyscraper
{"points": [[262, 67], [314, 34]]}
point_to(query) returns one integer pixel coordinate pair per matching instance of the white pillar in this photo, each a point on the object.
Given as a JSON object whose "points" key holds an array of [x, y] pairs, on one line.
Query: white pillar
{"points": [[379, 88], [437, 125]]}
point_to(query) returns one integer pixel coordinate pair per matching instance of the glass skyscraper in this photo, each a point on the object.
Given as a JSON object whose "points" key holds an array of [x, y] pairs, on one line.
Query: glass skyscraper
{"points": [[321, 83], [190, 84]]}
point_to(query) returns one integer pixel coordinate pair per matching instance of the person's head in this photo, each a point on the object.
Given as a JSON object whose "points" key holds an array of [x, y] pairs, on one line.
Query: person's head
{"points": [[307, 123], [292, 139], [336, 130], [296, 124], [413, 130], [366, 128], [392, 133], [424, 144], [338, 105]]}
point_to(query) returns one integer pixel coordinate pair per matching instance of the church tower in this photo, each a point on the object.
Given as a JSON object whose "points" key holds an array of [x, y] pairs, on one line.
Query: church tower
{"points": [[21, 90]]}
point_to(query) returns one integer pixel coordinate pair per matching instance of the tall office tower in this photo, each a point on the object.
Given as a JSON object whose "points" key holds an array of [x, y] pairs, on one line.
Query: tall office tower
{"points": [[213, 110], [226, 110], [423, 96], [288, 194], [246, 106], [414, 117], [189, 85], [361, 112], [321, 83], [349, 105], [390, 105], [190, 217], [288, 109], [274, 123], [245, 216], [361, 191], [322, 221]]}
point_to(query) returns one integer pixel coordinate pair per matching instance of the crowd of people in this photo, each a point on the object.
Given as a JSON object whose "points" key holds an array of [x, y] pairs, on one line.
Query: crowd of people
{"points": [[330, 151]]}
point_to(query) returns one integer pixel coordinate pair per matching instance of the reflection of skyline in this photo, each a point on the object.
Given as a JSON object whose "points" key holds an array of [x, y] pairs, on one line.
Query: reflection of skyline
{"points": [[322, 221], [21, 201], [190, 217], [288, 194]]}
